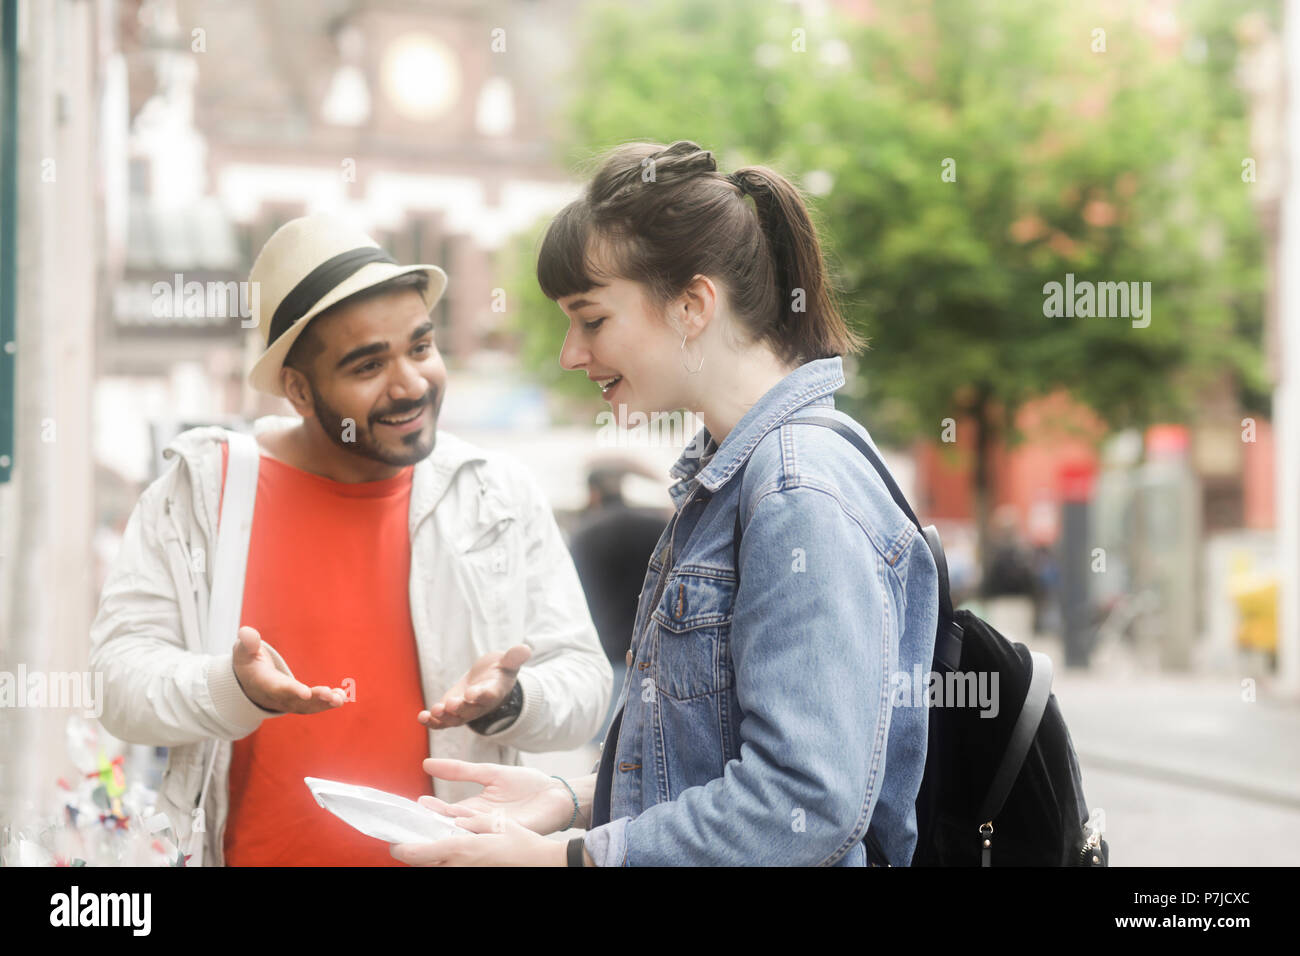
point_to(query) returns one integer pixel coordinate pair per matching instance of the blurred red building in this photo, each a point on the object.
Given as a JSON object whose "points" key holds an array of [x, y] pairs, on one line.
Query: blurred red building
{"points": [[1232, 456]]}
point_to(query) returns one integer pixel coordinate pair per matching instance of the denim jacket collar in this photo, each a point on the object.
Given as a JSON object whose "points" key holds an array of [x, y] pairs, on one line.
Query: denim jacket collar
{"points": [[811, 383]]}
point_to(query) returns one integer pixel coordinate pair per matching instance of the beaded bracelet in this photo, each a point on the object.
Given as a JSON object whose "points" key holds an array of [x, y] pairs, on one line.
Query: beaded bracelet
{"points": [[575, 802]]}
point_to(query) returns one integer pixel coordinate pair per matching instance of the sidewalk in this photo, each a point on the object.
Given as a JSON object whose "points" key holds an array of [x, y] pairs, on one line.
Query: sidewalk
{"points": [[1194, 725], [1187, 769]]}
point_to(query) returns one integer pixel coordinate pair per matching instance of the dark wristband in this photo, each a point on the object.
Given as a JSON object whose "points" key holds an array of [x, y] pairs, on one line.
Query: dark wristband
{"points": [[575, 852], [504, 716]]}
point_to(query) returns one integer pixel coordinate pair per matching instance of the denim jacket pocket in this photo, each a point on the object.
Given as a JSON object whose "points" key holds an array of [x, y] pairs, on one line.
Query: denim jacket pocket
{"points": [[692, 656]]}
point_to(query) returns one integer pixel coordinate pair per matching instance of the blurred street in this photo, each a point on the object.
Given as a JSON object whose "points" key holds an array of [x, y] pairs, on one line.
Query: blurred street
{"points": [[1187, 772]]}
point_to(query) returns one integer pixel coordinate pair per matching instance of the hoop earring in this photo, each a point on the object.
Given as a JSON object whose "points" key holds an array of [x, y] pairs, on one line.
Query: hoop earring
{"points": [[690, 370]]}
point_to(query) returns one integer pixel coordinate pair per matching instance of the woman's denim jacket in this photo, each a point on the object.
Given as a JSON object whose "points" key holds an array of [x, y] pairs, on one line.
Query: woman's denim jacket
{"points": [[757, 723]]}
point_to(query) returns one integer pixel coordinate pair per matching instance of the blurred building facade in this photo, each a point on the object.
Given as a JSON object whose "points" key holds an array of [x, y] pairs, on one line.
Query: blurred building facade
{"points": [[57, 55], [425, 124]]}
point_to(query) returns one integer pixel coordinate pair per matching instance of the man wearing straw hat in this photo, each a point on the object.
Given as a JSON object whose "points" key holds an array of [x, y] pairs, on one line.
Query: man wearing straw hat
{"points": [[406, 595]]}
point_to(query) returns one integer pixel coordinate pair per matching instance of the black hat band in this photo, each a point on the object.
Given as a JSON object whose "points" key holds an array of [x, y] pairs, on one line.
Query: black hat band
{"points": [[317, 283]]}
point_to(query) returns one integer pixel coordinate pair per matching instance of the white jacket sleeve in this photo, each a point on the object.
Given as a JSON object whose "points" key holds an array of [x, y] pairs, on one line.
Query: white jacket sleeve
{"points": [[155, 690], [567, 681]]}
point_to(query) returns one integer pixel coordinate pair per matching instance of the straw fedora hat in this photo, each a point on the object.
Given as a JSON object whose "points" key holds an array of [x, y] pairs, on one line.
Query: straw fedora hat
{"points": [[308, 265]]}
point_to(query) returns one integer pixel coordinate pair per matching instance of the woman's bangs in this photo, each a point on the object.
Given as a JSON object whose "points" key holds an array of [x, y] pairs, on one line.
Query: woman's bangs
{"points": [[562, 267]]}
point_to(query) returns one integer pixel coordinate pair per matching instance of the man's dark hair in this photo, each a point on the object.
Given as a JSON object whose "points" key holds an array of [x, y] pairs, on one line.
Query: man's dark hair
{"points": [[607, 483], [308, 346]]}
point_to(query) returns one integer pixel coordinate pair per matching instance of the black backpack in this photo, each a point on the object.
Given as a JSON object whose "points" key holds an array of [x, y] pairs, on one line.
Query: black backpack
{"points": [[1005, 789]]}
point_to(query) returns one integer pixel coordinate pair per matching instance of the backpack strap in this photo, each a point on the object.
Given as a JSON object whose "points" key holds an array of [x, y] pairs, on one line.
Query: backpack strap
{"points": [[1022, 736], [234, 529], [947, 642]]}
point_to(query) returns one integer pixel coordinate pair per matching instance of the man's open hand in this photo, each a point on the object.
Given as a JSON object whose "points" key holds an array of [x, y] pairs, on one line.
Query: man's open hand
{"points": [[480, 691], [271, 688]]}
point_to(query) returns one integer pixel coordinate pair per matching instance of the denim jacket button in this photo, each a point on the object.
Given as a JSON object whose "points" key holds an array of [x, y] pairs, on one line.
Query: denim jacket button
{"points": [[629, 657]]}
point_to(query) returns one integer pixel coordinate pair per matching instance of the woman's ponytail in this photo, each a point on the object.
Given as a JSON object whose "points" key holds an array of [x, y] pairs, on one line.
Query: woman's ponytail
{"points": [[809, 323]]}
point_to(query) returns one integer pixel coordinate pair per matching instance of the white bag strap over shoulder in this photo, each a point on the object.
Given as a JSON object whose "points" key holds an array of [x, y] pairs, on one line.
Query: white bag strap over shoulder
{"points": [[234, 531], [228, 567]]}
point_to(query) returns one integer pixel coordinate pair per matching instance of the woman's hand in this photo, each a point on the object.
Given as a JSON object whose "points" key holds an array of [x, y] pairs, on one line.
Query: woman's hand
{"points": [[492, 840], [520, 795]]}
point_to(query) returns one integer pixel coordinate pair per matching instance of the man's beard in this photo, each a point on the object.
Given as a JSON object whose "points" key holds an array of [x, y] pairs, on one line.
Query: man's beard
{"points": [[415, 447]]}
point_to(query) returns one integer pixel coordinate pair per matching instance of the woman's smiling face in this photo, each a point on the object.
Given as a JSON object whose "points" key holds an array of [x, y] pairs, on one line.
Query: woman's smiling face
{"points": [[616, 337]]}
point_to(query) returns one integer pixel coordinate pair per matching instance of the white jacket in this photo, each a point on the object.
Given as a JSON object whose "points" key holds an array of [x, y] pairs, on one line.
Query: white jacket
{"points": [[488, 570]]}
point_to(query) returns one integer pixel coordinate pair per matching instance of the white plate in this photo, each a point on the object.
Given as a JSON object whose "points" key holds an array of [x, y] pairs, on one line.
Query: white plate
{"points": [[384, 816]]}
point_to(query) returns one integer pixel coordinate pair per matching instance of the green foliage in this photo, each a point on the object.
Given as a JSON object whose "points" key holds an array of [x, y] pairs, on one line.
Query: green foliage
{"points": [[1116, 166]]}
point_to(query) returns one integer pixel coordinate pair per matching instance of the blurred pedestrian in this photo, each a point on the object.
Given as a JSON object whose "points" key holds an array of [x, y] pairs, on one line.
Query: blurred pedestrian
{"points": [[1010, 580], [611, 547]]}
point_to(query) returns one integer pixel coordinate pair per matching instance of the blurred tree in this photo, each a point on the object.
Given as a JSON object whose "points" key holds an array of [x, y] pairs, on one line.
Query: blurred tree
{"points": [[962, 155]]}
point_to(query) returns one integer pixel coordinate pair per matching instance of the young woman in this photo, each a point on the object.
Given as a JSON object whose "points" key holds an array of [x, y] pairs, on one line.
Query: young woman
{"points": [[757, 723]]}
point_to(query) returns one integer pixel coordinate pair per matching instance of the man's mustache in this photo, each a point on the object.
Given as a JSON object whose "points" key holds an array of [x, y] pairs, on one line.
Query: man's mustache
{"points": [[407, 409]]}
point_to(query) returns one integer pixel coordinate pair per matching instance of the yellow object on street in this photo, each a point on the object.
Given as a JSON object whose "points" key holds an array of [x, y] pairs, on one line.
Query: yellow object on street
{"points": [[1256, 596]]}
